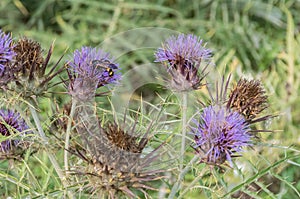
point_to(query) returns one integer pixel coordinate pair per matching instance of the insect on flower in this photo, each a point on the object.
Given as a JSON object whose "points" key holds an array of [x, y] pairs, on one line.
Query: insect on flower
{"points": [[105, 64], [89, 69]]}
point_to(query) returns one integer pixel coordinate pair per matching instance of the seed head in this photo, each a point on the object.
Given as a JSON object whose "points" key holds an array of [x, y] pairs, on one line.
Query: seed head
{"points": [[248, 98], [123, 140], [118, 168], [27, 74], [29, 59]]}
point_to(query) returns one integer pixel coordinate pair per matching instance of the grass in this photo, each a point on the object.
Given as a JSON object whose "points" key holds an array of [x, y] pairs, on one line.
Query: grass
{"points": [[257, 39]]}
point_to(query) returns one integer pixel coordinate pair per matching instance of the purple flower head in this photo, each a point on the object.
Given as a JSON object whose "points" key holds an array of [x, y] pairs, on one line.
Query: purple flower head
{"points": [[90, 69], [6, 50], [183, 56], [10, 123], [184, 47], [93, 63], [219, 134]]}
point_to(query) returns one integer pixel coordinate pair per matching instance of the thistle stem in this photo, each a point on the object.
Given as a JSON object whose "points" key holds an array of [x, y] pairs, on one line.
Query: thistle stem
{"points": [[38, 124], [188, 188], [67, 140], [177, 185], [183, 171], [184, 126], [50, 155]]}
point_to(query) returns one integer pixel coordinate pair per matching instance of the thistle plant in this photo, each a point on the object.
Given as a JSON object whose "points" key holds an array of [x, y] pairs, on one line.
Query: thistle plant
{"points": [[248, 97], [6, 50], [89, 69], [105, 159], [29, 80], [184, 57], [115, 165], [225, 127], [27, 71]]}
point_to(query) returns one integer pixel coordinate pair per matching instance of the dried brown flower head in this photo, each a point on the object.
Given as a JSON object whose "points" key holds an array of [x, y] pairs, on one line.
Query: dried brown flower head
{"points": [[123, 140], [116, 166], [248, 98], [29, 58], [27, 73]]}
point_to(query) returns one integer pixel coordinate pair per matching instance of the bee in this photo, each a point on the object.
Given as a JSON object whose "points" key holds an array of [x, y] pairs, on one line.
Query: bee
{"points": [[105, 64]]}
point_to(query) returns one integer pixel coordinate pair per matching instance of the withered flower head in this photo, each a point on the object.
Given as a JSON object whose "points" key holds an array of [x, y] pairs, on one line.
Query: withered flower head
{"points": [[11, 123], [90, 69], [123, 140], [219, 134], [248, 98], [184, 55], [29, 58], [29, 69], [116, 166]]}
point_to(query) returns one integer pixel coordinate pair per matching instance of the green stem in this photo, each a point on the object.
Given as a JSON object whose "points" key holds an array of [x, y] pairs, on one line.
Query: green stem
{"points": [[182, 150], [68, 132], [190, 185], [50, 155], [38, 124], [183, 172], [184, 126]]}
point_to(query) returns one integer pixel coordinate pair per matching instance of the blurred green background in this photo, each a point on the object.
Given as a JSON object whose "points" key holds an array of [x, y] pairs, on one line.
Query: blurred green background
{"points": [[258, 38]]}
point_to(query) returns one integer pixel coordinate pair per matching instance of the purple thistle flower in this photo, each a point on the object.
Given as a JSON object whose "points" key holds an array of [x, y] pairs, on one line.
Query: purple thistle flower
{"points": [[6, 50], [90, 69], [84, 63], [10, 123], [183, 56], [219, 134], [187, 47]]}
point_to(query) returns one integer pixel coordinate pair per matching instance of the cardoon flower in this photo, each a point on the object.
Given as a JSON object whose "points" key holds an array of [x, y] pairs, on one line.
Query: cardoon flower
{"points": [[90, 69], [219, 134], [10, 124], [248, 98], [183, 55], [6, 50]]}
